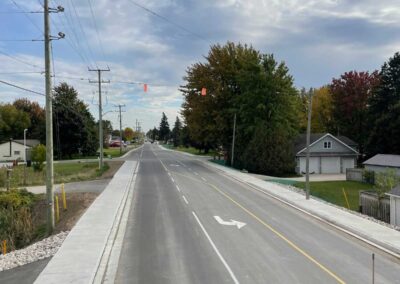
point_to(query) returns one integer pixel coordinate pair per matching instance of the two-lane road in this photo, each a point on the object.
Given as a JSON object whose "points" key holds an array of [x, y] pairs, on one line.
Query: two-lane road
{"points": [[182, 229]]}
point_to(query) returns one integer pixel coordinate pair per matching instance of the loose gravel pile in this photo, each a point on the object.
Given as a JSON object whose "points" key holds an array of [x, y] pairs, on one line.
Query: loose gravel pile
{"points": [[40, 250]]}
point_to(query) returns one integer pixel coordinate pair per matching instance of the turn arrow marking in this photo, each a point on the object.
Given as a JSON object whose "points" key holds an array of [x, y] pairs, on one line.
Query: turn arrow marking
{"points": [[230, 223]]}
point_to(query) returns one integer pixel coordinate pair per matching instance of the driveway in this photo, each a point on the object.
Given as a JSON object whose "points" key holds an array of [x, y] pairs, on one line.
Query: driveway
{"points": [[313, 177]]}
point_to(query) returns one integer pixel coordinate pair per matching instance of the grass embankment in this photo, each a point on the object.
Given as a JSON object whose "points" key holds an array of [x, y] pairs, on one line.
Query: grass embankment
{"points": [[63, 173], [332, 192], [190, 150]]}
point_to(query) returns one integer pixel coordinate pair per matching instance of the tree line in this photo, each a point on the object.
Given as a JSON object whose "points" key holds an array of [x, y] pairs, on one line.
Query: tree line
{"points": [[75, 131], [271, 112]]}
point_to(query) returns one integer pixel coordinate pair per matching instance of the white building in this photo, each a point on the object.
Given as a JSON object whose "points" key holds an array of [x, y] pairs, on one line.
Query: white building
{"points": [[381, 162], [14, 149], [394, 195]]}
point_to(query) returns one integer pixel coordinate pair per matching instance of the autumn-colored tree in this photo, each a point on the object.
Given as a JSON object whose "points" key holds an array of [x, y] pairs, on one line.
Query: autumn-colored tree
{"points": [[37, 116], [322, 119], [128, 133], [350, 95]]}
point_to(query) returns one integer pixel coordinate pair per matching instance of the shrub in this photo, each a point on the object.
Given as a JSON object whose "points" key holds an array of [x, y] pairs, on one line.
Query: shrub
{"points": [[368, 176], [16, 224], [38, 157]]}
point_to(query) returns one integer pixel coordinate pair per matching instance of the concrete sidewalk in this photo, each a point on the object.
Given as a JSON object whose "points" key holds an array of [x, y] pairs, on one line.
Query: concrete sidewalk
{"points": [[375, 234], [85, 248]]}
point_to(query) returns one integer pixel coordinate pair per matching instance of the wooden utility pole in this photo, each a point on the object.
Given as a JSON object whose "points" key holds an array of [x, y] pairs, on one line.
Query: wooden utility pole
{"points": [[120, 127], [308, 145], [101, 138], [233, 139], [49, 122]]}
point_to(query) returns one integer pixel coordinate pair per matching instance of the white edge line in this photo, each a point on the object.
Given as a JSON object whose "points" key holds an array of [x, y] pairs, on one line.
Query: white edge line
{"points": [[184, 198], [216, 250]]}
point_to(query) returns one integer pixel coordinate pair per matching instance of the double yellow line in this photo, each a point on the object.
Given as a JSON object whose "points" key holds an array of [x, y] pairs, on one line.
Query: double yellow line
{"points": [[269, 227]]}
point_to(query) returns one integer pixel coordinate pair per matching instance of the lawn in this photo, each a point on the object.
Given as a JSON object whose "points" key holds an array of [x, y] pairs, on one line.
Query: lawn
{"points": [[63, 172], [190, 150], [114, 152], [332, 191]]}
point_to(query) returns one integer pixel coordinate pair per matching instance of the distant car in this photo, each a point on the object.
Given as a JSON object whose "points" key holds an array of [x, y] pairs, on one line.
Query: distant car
{"points": [[117, 144]]}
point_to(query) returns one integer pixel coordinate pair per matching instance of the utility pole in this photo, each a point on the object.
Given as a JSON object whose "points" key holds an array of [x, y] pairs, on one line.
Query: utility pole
{"points": [[233, 139], [120, 127], [101, 138], [49, 114], [308, 145]]}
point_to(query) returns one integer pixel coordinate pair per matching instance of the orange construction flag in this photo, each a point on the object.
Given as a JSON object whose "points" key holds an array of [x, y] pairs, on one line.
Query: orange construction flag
{"points": [[203, 91], [145, 88]]}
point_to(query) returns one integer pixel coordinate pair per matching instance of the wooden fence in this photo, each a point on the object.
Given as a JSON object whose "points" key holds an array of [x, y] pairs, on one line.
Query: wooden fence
{"points": [[368, 201], [354, 174]]}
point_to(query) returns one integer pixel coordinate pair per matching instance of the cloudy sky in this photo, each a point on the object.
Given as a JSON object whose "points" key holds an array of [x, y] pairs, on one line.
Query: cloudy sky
{"points": [[318, 40]]}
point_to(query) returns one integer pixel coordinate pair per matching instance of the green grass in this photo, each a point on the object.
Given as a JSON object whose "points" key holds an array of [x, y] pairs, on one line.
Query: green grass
{"points": [[331, 191], [63, 172], [114, 152], [190, 150]]}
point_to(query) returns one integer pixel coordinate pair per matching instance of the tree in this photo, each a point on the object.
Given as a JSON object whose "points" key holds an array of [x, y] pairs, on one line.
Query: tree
{"points": [[37, 116], [12, 122], [74, 126], [164, 131], [258, 89], [350, 95], [384, 111], [38, 157], [176, 132], [128, 133]]}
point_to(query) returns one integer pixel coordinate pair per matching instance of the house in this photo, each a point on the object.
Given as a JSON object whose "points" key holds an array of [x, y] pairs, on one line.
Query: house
{"points": [[394, 195], [381, 162], [14, 149], [328, 154]]}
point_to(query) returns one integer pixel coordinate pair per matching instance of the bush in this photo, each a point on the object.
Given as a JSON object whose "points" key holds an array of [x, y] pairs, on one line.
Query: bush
{"points": [[38, 157], [16, 225], [368, 176]]}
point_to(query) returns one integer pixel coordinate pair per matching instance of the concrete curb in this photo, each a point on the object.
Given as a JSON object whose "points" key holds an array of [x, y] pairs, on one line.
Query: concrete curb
{"points": [[381, 237], [80, 256], [127, 153]]}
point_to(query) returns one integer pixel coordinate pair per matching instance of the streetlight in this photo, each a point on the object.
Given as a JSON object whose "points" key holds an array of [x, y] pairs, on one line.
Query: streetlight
{"points": [[25, 130]]}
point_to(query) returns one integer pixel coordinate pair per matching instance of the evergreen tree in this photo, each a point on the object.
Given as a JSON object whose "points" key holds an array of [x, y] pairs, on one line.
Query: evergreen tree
{"points": [[74, 126], [164, 131], [176, 133], [384, 111]]}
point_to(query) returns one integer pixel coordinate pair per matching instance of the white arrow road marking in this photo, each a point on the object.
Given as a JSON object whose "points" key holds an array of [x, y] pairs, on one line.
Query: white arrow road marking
{"points": [[231, 223]]}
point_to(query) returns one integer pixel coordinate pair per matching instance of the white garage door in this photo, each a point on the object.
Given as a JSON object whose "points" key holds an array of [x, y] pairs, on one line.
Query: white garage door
{"points": [[347, 163], [314, 165], [330, 165]]}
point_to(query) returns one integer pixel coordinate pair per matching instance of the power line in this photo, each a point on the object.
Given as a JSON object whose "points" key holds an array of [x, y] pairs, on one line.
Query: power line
{"points": [[168, 20], [19, 60], [29, 18], [83, 32], [21, 88], [97, 30], [22, 72]]}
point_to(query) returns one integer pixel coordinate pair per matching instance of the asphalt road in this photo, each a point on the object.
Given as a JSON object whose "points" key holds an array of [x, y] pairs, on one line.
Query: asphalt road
{"points": [[182, 229]]}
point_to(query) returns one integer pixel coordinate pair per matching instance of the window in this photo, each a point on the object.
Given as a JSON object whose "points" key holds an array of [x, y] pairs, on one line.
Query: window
{"points": [[327, 145], [17, 152]]}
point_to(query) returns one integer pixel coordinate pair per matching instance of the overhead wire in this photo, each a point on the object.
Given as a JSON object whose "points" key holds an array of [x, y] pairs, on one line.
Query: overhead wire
{"points": [[97, 29], [83, 32], [20, 60], [148, 10], [29, 18]]}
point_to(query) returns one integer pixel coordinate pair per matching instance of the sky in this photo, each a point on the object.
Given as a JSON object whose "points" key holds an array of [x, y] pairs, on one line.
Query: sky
{"points": [[155, 41]]}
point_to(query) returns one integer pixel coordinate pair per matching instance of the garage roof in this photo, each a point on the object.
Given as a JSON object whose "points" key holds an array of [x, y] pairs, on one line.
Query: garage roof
{"points": [[300, 142], [385, 160]]}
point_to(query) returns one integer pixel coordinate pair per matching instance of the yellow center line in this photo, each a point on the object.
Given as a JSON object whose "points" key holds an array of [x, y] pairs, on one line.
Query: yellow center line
{"points": [[280, 235]]}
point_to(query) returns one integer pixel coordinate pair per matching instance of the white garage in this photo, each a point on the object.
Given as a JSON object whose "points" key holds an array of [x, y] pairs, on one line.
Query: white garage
{"points": [[328, 154], [330, 165]]}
